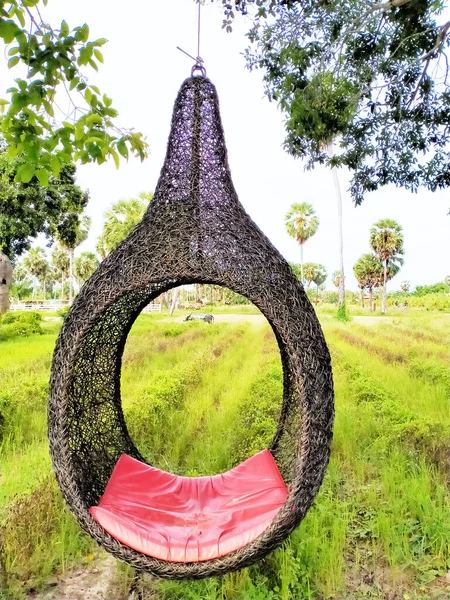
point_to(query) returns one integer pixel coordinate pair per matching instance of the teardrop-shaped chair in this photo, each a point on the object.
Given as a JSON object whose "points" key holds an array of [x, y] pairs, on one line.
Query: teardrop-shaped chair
{"points": [[194, 231]]}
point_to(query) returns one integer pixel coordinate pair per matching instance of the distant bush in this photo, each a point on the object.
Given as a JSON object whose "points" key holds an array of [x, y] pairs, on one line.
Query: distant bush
{"points": [[430, 301], [330, 297], [63, 312], [437, 288], [20, 324]]}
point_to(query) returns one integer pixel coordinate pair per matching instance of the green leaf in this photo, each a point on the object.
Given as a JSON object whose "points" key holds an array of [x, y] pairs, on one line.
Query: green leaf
{"points": [[12, 62], [12, 151], [79, 132], [64, 29], [25, 173], [43, 176], [74, 83], [115, 157], [122, 148], [13, 50], [8, 30], [95, 88], [82, 33], [88, 96], [56, 166], [100, 42], [98, 55]]}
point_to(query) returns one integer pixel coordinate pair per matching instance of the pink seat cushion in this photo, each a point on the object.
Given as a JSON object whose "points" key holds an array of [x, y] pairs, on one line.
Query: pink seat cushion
{"points": [[190, 519]]}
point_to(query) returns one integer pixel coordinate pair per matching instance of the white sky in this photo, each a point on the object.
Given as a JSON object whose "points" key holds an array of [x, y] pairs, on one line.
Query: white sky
{"points": [[143, 72]]}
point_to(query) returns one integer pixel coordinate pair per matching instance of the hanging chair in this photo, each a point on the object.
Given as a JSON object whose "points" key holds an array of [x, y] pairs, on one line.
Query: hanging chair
{"points": [[194, 231]]}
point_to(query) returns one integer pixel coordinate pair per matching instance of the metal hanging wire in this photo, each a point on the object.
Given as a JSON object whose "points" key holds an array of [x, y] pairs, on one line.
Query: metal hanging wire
{"points": [[199, 63]]}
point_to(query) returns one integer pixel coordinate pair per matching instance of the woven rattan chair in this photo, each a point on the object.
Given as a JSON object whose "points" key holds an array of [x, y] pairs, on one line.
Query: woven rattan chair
{"points": [[194, 231]]}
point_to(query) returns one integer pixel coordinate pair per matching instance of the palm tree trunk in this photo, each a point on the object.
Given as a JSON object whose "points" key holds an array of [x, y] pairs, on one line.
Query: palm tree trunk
{"points": [[362, 297], [62, 286], [301, 263], [383, 305], [174, 300], [337, 188], [70, 276], [43, 285], [5, 282], [317, 296], [371, 299]]}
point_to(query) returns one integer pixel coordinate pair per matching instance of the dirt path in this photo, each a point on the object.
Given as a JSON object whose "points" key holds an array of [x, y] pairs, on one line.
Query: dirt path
{"points": [[94, 582], [225, 318]]}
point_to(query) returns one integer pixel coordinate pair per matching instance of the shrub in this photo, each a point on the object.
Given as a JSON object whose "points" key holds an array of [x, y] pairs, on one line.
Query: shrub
{"points": [[63, 312], [20, 324]]}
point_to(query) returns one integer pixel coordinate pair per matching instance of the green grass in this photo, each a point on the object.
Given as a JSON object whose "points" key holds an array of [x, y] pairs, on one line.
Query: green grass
{"points": [[199, 398]]}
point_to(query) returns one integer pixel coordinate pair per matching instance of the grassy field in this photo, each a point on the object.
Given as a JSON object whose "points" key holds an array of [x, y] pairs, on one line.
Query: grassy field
{"points": [[198, 398]]}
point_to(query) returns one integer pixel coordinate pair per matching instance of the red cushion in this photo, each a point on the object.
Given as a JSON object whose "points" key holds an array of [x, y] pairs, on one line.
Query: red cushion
{"points": [[190, 519]]}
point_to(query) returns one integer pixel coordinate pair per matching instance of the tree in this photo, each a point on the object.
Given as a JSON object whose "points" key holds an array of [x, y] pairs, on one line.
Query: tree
{"points": [[61, 265], [336, 278], [405, 286], [368, 271], [301, 224], [6, 273], [371, 75], [320, 276], [37, 265], [81, 234], [28, 209], [386, 240], [309, 272], [55, 59], [84, 266], [120, 220]]}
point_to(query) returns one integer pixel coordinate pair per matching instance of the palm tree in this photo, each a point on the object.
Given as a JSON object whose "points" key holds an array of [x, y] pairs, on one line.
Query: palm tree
{"points": [[320, 276], [6, 272], [120, 220], [37, 265], [405, 286], [336, 279], [301, 224], [309, 272], [84, 266], [337, 188], [368, 271], [386, 240], [81, 236], [61, 264]]}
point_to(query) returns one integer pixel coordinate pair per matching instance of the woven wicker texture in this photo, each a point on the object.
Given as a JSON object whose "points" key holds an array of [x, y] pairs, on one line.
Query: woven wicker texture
{"points": [[194, 231]]}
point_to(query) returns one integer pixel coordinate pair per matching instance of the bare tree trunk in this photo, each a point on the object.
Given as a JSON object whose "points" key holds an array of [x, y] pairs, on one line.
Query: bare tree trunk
{"points": [[43, 285], [301, 263], [62, 286], [71, 276], [371, 299], [362, 297], [383, 303], [337, 188], [174, 300], [6, 273]]}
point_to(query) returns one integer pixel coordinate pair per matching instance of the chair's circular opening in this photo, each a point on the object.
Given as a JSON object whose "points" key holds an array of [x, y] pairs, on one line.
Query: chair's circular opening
{"points": [[201, 380]]}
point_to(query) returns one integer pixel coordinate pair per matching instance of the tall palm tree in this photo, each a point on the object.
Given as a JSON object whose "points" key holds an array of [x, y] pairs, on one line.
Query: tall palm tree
{"points": [[61, 264], [5, 282], [301, 224], [84, 266], [81, 236], [120, 220], [37, 265], [368, 271], [386, 240]]}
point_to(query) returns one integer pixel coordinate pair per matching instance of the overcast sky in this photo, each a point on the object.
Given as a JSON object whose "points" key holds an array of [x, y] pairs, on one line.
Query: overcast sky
{"points": [[143, 71]]}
